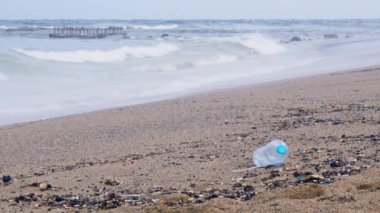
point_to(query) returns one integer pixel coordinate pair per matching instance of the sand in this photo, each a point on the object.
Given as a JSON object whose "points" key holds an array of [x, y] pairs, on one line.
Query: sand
{"points": [[178, 155]]}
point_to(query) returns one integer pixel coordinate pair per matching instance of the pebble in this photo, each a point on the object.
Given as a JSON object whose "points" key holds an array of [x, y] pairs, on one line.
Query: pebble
{"points": [[111, 182], [44, 186], [7, 179]]}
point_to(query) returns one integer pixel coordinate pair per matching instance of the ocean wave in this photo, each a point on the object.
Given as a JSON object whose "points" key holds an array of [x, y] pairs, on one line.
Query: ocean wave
{"points": [[3, 27], [263, 45], [153, 27], [25, 28], [100, 56]]}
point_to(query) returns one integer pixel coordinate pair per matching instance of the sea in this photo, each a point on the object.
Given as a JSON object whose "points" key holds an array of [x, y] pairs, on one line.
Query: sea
{"points": [[153, 60]]}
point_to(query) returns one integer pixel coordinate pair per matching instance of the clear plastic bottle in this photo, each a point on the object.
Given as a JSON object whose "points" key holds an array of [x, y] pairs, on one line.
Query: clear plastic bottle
{"points": [[274, 153]]}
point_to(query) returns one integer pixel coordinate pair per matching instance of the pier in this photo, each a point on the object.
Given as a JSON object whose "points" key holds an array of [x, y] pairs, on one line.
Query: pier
{"points": [[85, 33]]}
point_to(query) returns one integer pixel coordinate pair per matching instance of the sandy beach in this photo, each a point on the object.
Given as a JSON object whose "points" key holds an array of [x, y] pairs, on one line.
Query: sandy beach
{"points": [[178, 155]]}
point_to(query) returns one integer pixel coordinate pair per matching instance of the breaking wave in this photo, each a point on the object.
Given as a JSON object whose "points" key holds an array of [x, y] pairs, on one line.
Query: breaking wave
{"points": [[259, 43], [100, 56], [25, 28], [154, 27]]}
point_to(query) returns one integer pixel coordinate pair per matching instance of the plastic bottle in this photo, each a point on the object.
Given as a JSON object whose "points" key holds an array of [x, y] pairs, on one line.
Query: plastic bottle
{"points": [[274, 153]]}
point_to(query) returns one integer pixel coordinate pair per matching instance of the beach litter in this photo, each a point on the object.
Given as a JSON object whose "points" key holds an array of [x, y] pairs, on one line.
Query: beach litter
{"points": [[273, 154]]}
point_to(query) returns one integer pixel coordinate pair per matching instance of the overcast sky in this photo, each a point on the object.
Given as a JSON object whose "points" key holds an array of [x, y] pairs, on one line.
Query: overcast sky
{"points": [[188, 9]]}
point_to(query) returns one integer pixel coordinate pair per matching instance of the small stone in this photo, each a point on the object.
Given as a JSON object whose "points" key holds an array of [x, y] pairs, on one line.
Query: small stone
{"points": [[155, 200], [337, 163], [44, 186], [111, 182], [7, 179], [297, 174], [200, 200], [317, 177], [59, 198], [276, 173], [279, 183], [248, 188]]}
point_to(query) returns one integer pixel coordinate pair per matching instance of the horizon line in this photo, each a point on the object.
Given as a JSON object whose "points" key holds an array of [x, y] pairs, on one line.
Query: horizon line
{"points": [[176, 19]]}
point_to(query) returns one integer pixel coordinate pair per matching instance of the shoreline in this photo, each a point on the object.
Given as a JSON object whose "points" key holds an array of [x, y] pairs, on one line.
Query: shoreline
{"points": [[194, 94], [179, 154]]}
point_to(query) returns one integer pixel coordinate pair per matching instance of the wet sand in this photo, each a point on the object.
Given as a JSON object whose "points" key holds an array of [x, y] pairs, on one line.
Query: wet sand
{"points": [[178, 155]]}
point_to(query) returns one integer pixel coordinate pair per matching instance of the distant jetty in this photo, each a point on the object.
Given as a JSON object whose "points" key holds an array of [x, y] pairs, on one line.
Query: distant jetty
{"points": [[85, 33]]}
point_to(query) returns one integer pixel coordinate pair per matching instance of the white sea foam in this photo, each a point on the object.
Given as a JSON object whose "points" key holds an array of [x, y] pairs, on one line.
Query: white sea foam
{"points": [[263, 45], [3, 27], [99, 56], [218, 59], [29, 27], [173, 65], [154, 27]]}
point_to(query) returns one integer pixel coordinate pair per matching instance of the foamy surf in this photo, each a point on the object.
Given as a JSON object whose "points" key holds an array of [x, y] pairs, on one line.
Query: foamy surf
{"points": [[261, 44], [218, 59], [153, 27], [101, 56], [258, 43]]}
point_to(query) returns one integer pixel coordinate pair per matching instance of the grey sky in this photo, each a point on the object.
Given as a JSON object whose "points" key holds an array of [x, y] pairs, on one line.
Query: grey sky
{"points": [[187, 9]]}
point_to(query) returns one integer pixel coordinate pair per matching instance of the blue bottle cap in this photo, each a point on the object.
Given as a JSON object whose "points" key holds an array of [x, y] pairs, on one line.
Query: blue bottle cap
{"points": [[282, 149]]}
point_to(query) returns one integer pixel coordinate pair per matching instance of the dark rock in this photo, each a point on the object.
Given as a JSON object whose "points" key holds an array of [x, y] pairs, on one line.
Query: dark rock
{"points": [[331, 36], [337, 163], [275, 173], [111, 182], [336, 123], [297, 174], [165, 35], [59, 198], [212, 196], [200, 200], [35, 184], [295, 39], [248, 188], [94, 202], [21, 198], [7, 179]]}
